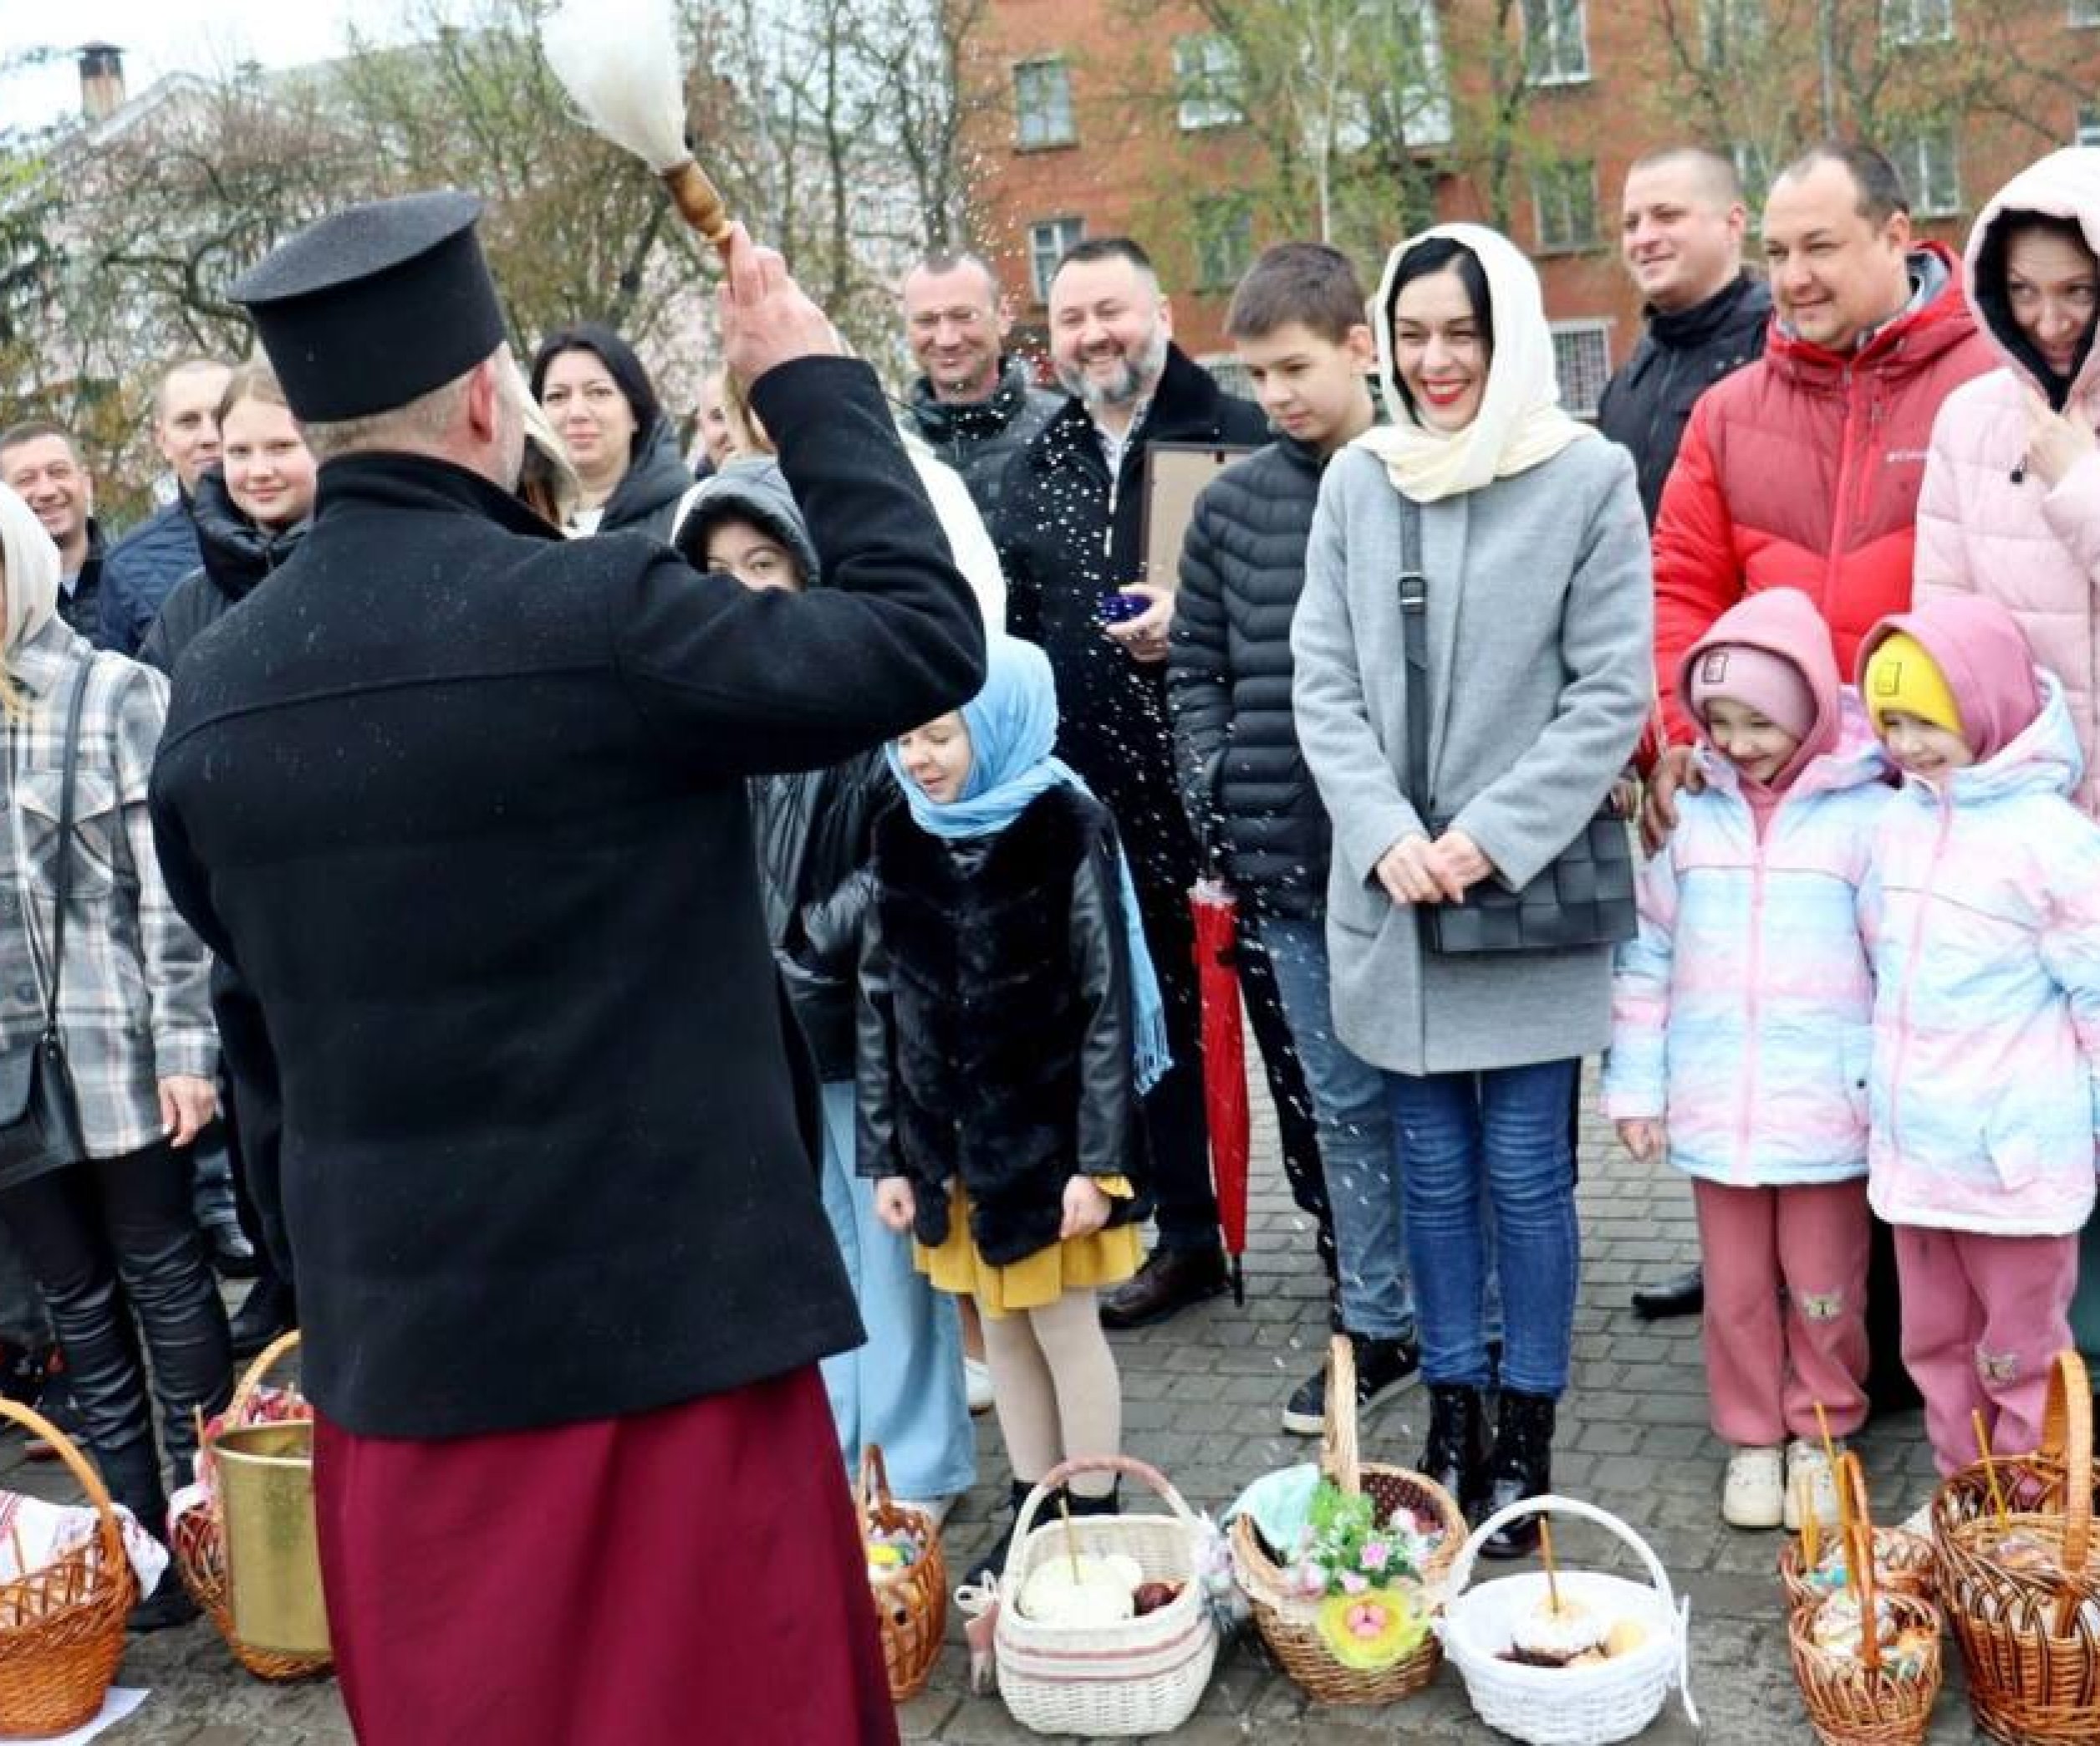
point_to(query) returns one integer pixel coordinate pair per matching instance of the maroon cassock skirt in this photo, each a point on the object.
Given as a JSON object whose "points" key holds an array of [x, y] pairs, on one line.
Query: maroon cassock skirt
{"points": [[691, 1574]]}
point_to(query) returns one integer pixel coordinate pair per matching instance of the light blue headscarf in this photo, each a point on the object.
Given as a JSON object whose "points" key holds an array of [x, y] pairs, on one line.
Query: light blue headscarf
{"points": [[1013, 724]]}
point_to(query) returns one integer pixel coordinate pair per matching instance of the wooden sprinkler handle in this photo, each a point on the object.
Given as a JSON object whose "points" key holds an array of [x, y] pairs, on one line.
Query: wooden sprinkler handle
{"points": [[699, 202]]}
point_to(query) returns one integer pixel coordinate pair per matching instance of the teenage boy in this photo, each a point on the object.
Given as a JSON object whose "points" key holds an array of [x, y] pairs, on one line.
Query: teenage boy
{"points": [[1297, 322]]}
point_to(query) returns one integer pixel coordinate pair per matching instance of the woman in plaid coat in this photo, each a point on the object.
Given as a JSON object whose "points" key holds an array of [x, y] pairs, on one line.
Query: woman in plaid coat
{"points": [[112, 1235]]}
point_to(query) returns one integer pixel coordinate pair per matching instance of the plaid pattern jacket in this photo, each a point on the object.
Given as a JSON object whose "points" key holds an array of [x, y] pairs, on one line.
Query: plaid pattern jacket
{"points": [[133, 1003]]}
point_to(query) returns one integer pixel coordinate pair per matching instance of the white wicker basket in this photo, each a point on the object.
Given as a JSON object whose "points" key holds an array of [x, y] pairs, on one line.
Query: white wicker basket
{"points": [[1566, 1706], [1140, 1676]]}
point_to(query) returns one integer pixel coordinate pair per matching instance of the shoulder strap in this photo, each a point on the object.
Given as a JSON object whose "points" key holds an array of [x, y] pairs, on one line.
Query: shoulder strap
{"points": [[62, 876], [1414, 601]]}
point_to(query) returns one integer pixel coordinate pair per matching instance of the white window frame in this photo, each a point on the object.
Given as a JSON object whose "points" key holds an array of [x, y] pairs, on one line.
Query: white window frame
{"points": [[1588, 327], [1909, 21], [1040, 127], [1550, 57], [2085, 125], [1208, 80], [1914, 154], [1556, 178], [2083, 13], [1048, 239]]}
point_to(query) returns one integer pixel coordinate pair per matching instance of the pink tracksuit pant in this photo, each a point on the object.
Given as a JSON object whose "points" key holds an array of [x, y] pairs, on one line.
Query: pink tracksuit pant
{"points": [[1983, 1318], [1771, 1359]]}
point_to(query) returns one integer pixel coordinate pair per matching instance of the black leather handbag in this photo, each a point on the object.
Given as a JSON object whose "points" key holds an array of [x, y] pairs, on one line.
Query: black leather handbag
{"points": [[39, 1114], [1584, 896]]}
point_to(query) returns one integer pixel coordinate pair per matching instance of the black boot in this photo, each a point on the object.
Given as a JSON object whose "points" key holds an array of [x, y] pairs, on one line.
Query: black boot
{"points": [[269, 1310], [994, 1562], [133, 1475], [1108, 1505], [1522, 1467], [1456, 1454]]}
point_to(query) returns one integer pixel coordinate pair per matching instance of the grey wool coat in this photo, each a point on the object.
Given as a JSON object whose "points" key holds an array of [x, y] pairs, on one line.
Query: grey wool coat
{"points": [[1541, 629]]}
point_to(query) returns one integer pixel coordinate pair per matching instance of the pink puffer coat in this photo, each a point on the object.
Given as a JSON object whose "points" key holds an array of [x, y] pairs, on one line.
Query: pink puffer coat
{"points": [[1984, 524]]}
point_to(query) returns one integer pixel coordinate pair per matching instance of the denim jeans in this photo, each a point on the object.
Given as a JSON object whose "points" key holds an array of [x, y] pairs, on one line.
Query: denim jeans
{"points": [[902, 1388], [1507, 1127], [1357, 1151]]}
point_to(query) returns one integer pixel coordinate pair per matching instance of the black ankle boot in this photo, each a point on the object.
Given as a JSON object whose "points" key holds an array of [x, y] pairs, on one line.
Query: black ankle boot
{"points": [[132, 1474], [1522, 1467], [1456, 1454], [1079, 1506], [994, 1562]]}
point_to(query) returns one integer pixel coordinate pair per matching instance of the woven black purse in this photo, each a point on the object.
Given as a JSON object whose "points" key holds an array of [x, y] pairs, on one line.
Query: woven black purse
{"points": [[1584, 896]]}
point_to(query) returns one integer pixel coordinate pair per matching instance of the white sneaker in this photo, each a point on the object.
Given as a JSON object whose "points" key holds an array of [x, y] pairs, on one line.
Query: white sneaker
{"points": [[976, 1384], [1806, 1463], [1749, 1495]]}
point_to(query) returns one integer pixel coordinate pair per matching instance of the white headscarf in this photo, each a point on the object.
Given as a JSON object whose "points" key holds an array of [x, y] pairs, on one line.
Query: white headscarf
{"points": [[31, 562], [1520, 423]]}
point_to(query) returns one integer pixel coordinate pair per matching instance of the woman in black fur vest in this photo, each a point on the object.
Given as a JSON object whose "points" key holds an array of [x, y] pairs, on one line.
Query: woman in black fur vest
{"points": [[1010, 1021]]}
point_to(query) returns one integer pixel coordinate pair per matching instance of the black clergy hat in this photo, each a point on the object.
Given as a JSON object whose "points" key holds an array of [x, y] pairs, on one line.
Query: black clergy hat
{"points": [[374, 305]]}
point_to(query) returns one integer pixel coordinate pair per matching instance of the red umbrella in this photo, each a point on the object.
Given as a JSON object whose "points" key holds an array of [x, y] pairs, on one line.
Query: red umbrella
{"points": [[1216, 911]]}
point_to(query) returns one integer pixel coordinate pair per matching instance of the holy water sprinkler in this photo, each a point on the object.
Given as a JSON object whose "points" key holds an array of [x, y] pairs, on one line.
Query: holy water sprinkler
{"points": [[619, 61]]}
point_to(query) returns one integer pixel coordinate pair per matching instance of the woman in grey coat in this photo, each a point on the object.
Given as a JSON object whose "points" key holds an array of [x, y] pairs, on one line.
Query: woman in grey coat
{"points": [[1539, 641]]}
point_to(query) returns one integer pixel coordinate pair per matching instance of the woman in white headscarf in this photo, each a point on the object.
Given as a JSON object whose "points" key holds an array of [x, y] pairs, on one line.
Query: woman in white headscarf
{"points": [[110, 1235], [1538, 631]]}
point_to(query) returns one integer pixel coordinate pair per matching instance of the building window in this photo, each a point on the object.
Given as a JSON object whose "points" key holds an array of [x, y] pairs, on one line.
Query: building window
{"points": [[2085, 12], [1224, 241], [1042, 105], [1582, 364], [1918, 21], [1733, 31], [1207, 82], [1565, 196], [1930, 173], [1229, 373], [2088, 132], [1047, 241], [1555, 45]]}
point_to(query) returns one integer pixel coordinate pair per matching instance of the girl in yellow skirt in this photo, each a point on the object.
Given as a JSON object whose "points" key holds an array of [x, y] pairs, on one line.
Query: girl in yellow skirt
{"points": [[1010, 1021]]}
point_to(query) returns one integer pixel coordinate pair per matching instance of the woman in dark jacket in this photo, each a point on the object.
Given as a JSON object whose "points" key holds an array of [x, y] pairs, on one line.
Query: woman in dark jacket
{"points": [[604, 407], [815, 829]]}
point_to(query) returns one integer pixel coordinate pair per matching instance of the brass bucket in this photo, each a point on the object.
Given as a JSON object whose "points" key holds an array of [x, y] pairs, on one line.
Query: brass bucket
{"points": [[273, 1550]]}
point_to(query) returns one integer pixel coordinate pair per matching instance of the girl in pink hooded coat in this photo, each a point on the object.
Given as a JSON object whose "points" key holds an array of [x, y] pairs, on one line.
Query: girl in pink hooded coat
{"points": [[1983, 904]]}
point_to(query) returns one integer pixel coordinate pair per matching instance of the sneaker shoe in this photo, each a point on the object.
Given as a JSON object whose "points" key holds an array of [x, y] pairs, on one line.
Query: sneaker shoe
{"points": [[1382, 1366], [1752, 1494], [976, 1384], [1807, 1465]]}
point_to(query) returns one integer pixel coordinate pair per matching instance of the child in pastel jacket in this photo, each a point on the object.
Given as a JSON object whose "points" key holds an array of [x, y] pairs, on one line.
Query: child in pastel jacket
{"points": [[1983, 901], [1010, 1021], [1741, 1020]]}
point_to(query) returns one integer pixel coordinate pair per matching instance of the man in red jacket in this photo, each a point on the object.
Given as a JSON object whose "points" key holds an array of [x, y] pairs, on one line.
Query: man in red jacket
{"points": [[1802, 470]]}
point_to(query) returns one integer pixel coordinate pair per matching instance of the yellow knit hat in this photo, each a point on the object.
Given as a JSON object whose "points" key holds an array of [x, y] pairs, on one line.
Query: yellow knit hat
{"points": [[1901, 676]]}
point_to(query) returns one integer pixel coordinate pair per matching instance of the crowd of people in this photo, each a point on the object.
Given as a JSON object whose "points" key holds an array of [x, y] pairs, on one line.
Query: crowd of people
{"points": [[523, 853]]}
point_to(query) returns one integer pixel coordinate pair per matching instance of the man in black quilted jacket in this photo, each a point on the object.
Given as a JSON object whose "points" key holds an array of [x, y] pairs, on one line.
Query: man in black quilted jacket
{"points": [[1297, 321]]}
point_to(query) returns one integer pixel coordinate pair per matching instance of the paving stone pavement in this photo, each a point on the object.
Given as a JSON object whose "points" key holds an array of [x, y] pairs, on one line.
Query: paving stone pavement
{"points": [[1203, 1393]]}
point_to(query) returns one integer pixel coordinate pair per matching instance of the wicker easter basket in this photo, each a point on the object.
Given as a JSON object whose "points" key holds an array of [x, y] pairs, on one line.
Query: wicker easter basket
{"points": [[1289, 1624], [197, 1539], [2031, 1637], [62, 1626], [1863, 1700], [911, 1603], [1137, 1676], [1904, 1562]]}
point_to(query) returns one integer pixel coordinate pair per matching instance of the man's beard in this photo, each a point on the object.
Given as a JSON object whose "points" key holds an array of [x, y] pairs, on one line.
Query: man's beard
{"points": [[1130, 383]]}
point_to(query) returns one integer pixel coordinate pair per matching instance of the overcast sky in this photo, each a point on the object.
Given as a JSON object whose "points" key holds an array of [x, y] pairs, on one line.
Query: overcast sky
{"points": [[159, 36]]}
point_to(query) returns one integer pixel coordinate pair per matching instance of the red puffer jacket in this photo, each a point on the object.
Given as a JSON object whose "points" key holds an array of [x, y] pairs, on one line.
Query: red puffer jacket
{"points": [[1803, 471]]}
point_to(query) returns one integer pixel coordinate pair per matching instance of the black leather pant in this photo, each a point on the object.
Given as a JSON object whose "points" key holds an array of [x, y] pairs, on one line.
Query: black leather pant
{"points": [[113, 1239]]}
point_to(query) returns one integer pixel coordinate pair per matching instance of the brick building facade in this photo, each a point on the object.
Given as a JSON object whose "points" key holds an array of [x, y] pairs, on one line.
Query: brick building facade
{"points": [[1100, 117]]}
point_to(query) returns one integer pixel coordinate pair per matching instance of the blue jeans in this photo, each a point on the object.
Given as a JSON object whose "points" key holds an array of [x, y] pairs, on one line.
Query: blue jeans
{"points": [[1356, 1151], [902, 1389], [1507, 1128]]}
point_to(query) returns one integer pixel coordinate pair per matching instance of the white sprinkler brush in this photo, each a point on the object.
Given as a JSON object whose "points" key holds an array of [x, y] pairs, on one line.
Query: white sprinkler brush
{"points": [[619, 61]]}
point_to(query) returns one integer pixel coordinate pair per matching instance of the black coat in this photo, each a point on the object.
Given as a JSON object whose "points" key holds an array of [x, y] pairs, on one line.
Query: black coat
{"points": [[816, 834], [1243, 778], [1647, 402], [236, 553], [462, 804], [1069, 536], [979, 438], [995, 1036]]}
